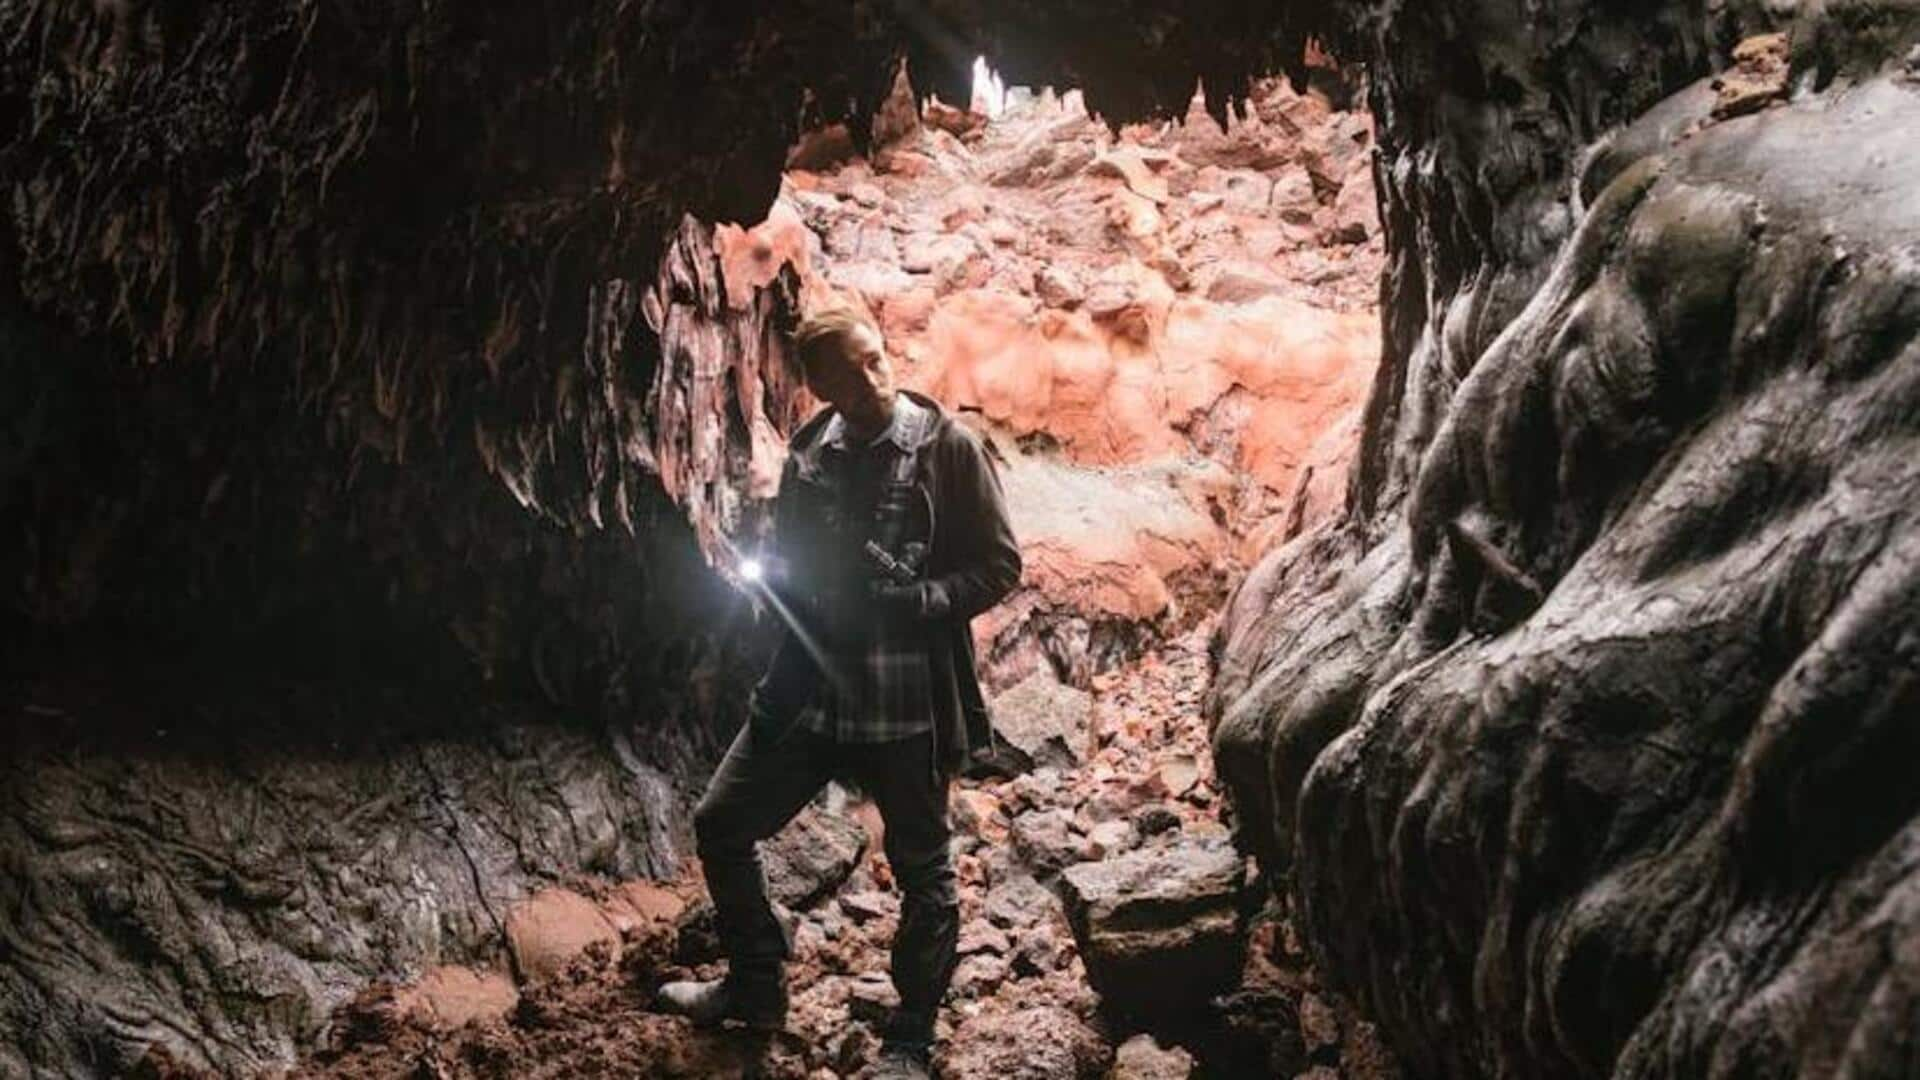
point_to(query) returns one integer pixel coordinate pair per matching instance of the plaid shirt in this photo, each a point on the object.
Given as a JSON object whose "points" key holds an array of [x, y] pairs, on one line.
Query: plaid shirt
{"points": [[897, 678], [878, 683]]}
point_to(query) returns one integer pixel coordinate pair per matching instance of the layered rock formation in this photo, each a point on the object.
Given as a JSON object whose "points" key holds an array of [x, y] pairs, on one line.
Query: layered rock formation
{"points": [[1584, 740]]}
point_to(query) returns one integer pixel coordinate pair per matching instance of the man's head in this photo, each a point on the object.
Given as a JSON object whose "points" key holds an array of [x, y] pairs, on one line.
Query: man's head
{"points": [[846, 366]]}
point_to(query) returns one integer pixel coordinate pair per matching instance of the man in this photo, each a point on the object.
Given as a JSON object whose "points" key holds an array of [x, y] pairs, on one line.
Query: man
{"points": [[892, 535]]}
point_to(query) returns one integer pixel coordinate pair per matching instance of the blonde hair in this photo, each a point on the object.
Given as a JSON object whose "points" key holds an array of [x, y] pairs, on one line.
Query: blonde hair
{"points": [[833, 324]]}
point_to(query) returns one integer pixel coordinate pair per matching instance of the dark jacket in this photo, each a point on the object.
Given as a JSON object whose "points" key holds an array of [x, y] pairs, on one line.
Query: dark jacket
{"points": [[972, 558]]}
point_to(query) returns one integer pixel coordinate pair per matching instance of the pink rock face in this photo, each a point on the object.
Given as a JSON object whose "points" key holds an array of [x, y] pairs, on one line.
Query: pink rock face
{"points": [[1182, 315]]}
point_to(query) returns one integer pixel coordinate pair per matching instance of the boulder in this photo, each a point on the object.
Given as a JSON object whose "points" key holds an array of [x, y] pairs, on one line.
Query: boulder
{"points": [[1044, 719], [548, 930], [1045, 1042], [1161, 929]]}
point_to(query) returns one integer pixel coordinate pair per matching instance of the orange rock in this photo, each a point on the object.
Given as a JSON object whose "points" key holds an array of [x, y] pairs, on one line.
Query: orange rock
{"points": [[980, 812], [635, 905], [1130, 165], [449, 997], [548, 930]]}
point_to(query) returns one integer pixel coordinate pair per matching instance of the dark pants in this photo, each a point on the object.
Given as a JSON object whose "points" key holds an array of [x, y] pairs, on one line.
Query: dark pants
{"points": [[763, 782]]}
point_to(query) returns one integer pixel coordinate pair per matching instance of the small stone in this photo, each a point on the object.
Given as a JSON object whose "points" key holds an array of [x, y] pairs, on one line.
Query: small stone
{"points": [[924, 253], [1017, 902], [863, 907], [1178, 773], [1159, 928], [1044, 841], [980, 812], [980, 937], [1757, 78], [1045, 719], [1141, 1058], [1058, 287], [1155, 819], [979, 975], [1039, 952], [1294, 199], [1110, 838]]}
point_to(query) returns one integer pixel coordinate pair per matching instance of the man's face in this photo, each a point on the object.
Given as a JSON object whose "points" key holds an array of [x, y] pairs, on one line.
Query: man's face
{"points": [[852, 373]]}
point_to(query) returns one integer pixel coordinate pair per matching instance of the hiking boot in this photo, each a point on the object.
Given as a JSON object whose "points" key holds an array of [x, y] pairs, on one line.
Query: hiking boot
{"points": [[762, 1006], [903, 1061]]}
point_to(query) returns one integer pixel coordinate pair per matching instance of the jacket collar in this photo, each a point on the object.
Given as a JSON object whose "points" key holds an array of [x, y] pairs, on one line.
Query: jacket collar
{"points": [[913, 422]]}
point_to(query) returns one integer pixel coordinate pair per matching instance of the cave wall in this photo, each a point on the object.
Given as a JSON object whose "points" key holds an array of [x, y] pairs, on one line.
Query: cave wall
{"points": [[1583, 744], [1575, 741]]}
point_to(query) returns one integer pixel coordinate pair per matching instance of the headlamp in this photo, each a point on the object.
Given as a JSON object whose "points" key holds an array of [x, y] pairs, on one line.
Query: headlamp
{"points": [[751, 570]]}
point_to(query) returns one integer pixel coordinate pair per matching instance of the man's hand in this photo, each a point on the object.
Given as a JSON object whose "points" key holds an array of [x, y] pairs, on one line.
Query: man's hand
{"points": [[921, 601]]}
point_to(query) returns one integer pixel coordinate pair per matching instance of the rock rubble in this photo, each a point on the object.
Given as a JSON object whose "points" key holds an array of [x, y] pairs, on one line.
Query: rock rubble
{"points": [[1037, 939]]}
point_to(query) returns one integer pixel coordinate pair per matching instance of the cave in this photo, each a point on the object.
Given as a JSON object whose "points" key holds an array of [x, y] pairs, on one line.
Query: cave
{"points": [[1490, 430]]}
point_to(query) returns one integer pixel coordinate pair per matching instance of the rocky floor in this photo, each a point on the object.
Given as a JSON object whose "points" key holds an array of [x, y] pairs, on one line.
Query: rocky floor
{"points": [[1118, 825]]}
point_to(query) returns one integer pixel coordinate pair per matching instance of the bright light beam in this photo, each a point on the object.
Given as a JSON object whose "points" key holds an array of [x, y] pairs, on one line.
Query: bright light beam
{"points": [[989, 93], [752, 573]]}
